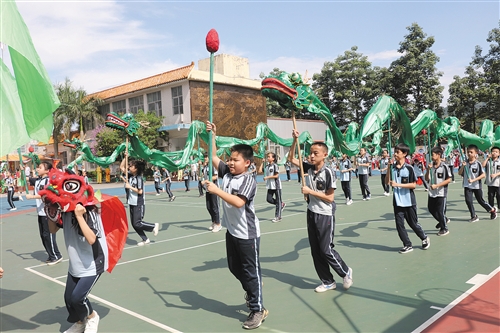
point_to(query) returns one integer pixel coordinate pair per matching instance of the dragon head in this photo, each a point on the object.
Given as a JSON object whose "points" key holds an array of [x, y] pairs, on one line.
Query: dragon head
{"points": [[283, 88], [125, 123], [74, 144], [63, 192]]}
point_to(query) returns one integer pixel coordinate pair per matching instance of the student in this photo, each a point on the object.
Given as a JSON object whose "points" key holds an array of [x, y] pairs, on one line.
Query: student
{"points": [[472, 173], [243, 230], [157, 179], [363, 165], [288, 167], [212, 201], [345, 178], [9, 182], [98, 172], [167, 179], [273, 185], [418, 167], [48, 239], [252, 169], [135, 200], [492, 180], [185, 176], [319, 188], [438, 176], [384, 167], [402, 179], [88, 259]]}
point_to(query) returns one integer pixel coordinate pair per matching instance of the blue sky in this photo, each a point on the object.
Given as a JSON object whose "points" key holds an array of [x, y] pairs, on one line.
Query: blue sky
{"points": [[99, 44]]}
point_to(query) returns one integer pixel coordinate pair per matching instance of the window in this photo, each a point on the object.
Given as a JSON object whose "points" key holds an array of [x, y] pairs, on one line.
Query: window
{"points": [[104, 110], [154, 103], [135, 104], [177, 100], [120, 107]]}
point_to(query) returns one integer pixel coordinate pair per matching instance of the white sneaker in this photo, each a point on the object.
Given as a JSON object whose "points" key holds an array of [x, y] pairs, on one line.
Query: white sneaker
{"points": [[76, 328], [157, 193], [156, 229], [348, 279], [325, 287], [276, 220], [349, 202], [217, 227], [147, 241], [21, 198], [387, 194], [92, 324], [211, 227]]}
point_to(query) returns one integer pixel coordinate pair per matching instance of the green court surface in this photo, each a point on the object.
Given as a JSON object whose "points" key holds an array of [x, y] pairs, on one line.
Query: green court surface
{"points": [[180, 282]]}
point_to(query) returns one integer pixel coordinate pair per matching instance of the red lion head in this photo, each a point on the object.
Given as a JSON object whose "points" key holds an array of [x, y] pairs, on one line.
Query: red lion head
{"points": [[63, 192]]}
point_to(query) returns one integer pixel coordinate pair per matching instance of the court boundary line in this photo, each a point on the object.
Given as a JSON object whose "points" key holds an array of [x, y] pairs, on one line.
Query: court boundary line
{"points": [[450, 306], [112, 305]]}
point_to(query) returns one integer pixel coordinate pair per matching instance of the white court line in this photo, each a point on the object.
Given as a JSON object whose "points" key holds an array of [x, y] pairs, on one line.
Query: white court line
{"points": [[112, 305], [450, 306]]}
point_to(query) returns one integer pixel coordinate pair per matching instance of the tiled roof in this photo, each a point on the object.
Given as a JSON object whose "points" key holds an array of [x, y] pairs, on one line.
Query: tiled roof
{"points": [[152, 81]]}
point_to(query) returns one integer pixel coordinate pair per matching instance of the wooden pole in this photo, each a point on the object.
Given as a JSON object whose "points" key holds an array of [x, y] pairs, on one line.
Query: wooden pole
{"points": [[126, 157], [297, 144]]}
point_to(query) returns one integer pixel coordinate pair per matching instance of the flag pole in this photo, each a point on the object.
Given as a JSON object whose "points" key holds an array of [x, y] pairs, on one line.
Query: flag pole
{"points": [[212, 44]]}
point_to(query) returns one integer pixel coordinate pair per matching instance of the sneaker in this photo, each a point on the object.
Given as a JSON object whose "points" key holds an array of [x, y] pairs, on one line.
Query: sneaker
{"points": [[13, 209], [157, 193], [443, 232], [147, 241], [92, 324], [426, 243], [349, 202], [325, 287], [76, 328], [156, 229], [211, 227], [255, 319], [283, 205], [406, 249], [448, 220], [217, 227], [364, 199], [368, 197], [348, 279], [276, 219], [387, 194], [173, 198], [346, 201], [54, 262], [474, 219], [493, 213], [21, 198]]}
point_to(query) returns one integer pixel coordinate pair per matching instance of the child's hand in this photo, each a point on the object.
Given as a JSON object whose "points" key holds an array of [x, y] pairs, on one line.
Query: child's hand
{"points": [[211, 127], [80, 210], [29, 196], [306, 190], [295, 133]]}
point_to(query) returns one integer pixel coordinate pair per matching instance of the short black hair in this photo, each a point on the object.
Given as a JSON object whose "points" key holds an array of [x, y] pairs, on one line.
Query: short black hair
{"points": [[473, 147], [437, 150], [47, 165], [139, 165], [245, 150], [495, 147], [402, 148], [322, 145], [273, 155]]}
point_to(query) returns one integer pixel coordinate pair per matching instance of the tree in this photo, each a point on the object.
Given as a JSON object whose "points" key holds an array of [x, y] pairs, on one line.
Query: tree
{"points": [[107, 141], [347, 86], [415, 80]]}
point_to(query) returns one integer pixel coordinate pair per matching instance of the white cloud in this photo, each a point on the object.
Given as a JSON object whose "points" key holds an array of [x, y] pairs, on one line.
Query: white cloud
{"points": [[287, 64], [384, 55], [69, 33]]}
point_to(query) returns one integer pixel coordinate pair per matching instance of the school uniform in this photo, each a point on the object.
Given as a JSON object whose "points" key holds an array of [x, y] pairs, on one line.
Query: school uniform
{"points": [[212, 200], [86, 263], [288, 167], [243, 235], [321, 225], [493, 166], [419, 173], [157, 179], [137, 206], [384, 163], [471, 171], [9, 182], [345, 178], [168, 183], [273, 186], [363, 176], [437, 198], [405, 204], [48, 239]]}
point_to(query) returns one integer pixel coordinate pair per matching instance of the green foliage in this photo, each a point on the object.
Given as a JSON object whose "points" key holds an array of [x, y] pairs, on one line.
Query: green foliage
{"points": [[148, 133], [415, 79], [347, 87], [107, 141]]}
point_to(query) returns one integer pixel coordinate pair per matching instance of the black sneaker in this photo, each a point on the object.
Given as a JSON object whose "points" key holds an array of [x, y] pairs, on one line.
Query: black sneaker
{"points": [[255, 319], [426, 243], [474, 219], [406, 249], [443, 232], [493, 213]]}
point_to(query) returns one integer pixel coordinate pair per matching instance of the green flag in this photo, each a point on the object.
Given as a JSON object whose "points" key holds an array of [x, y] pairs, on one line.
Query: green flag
{"points": [[28, 98]]}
